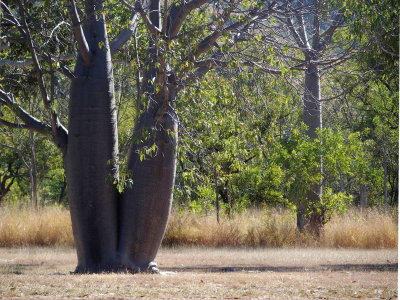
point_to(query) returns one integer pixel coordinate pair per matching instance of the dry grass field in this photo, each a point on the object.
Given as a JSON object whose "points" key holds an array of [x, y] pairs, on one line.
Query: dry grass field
{"points": [[368, 229], [208, 273]]}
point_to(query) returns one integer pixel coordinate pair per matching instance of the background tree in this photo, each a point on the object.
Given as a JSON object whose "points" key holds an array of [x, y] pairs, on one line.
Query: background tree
{"points": [[312, 26]]}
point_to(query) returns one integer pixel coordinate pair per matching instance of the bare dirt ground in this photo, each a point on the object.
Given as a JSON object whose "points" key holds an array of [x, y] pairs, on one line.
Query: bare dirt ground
{"points": [[204, 273]]}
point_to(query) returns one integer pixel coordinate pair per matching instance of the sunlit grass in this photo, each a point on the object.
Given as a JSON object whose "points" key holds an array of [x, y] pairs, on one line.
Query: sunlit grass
{"points": [[365, 228], [251, 228], [50, 226], [368, 228]]}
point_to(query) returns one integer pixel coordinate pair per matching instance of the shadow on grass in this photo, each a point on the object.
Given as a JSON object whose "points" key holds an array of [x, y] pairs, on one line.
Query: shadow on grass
{"points": [[321, 268], [18, 269]]}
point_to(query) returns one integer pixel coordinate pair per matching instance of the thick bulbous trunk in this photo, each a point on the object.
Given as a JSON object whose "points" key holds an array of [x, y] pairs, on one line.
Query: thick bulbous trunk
{"points": [[146, 204], [91, 158]]}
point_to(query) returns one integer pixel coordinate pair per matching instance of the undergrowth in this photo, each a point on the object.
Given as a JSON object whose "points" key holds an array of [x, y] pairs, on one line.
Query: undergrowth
{"points": [[367, 228]]}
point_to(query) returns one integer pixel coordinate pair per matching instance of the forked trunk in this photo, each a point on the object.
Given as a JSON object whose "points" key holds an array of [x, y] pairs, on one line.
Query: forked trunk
{"points": [[92, 155], [146, 204]]}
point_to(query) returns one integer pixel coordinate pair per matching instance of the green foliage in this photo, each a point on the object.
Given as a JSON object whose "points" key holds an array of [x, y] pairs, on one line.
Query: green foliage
{"points": [[332, 203]]}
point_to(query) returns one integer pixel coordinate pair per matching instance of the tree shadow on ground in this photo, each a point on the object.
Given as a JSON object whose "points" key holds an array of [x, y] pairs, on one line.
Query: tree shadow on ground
{"points": [[17, 268], [320, 268], [390, 267]]}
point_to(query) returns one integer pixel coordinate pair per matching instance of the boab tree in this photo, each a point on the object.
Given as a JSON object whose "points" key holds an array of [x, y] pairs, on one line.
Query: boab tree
{"points": [[184, 40], [302, 39], [312, 25]]}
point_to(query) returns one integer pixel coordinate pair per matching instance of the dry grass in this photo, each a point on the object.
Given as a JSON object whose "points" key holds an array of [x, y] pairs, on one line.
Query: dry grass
{"points": [[248, 274], [44, 227], [251, 228], [370, 228]]}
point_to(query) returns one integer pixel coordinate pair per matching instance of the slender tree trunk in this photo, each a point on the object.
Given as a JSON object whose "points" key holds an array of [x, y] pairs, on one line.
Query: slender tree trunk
{"points": [[5, 187], [312, 117], [385, 179], [301, 217], [216, 196], [146, 204], [363, 195], [62, 192], [91, 159], [33, 172]]}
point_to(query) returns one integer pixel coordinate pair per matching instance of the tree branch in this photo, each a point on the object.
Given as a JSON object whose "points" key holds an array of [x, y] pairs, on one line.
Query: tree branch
{"points": [[83, 46], [210, 62], [262, 68], [29, 40], [57, 132], [9, 147], [149, 25], [316, 24], [13, 125], [30, 122], [29, 62], [165, 18], [295, 34], [176, 20], [302, 30], [327, 35], [131, 7], [205, 65], [125, 34], [14, 20], [206, 43], [211, 39]]}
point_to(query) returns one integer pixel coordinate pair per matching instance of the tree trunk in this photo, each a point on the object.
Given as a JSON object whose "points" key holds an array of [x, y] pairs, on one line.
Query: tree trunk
{"points": [[91, 159], [311, 102], [385, 179], [146, 204], [216, 196], [5, 187], [33, 172], [62, 192], [301, 217], [363, 195], [312, 117]]}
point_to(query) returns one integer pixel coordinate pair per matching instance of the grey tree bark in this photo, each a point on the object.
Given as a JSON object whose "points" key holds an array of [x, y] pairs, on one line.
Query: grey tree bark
{"points": [[146, 205], [311, 33], [363, 195], [312, 117], [91, 159], [385, 178], [33, 171]]}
